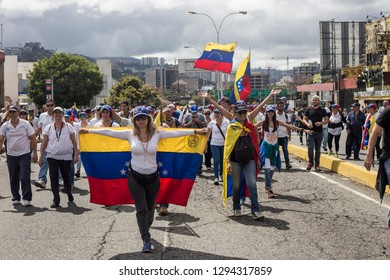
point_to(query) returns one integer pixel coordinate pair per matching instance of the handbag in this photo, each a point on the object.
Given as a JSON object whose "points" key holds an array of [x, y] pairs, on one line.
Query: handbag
{"points": [[144, 179]]}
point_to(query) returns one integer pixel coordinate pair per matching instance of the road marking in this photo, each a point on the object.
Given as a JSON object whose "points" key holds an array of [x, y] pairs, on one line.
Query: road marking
{"points": [[349, 189], [167, 241]]}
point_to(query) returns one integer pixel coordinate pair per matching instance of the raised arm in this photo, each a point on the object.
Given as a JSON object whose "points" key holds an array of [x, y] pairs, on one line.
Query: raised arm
{"points": [[254, 113], [224, 112], [121, 134]]}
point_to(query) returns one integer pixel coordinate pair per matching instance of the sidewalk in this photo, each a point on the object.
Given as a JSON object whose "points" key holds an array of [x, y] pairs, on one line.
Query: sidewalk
{"points": [[352, 169]]}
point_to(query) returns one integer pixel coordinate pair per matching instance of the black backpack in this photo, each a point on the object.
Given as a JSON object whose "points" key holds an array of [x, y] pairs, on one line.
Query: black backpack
{"points": [[244, 150]]}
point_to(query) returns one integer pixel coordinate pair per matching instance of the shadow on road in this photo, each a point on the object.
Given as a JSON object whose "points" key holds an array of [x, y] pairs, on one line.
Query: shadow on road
{"points": [[26, 211], [73, 208], [171, 253], [120, 208], [267, 222]]}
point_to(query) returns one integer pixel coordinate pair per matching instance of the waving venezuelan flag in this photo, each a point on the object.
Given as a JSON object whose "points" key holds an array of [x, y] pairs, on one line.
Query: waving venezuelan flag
{"points": [[106, 161], [242, 83], [217, 57]]}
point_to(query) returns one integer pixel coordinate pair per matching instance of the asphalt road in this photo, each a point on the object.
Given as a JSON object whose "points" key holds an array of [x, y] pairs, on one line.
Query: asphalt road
{"points": [[316, 216]]}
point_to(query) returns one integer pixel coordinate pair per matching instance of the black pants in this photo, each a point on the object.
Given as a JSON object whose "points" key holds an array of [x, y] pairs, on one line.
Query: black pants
{"points": [[19, 168], [64, 167], [336, 141], [354, 139], [144, 197], [377, 148]]}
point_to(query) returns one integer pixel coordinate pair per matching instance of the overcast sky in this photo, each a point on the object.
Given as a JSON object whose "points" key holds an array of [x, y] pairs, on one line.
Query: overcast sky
{"points": [[273, 28]]}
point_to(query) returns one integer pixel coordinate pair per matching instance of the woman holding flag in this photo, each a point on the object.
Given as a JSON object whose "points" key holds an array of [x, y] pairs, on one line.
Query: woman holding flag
{"points": [[143, 177]]}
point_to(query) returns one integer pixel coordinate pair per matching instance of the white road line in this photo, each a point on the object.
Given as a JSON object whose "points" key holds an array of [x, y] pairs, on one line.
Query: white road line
{"points": [[167, 241], [349, 189]]}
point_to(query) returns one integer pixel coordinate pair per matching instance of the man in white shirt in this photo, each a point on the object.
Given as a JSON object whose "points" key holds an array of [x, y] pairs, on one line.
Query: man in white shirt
{"points": [[284, 134], [45, 119], [21, 142]]}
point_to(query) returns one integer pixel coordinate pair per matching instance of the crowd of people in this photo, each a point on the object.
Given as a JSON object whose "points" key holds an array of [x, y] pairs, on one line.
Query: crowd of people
{"points": [[243, 139]]}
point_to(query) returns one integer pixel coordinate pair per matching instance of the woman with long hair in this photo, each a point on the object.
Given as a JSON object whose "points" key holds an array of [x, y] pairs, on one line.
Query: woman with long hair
{"points": [[143, 177], [269, 150]]}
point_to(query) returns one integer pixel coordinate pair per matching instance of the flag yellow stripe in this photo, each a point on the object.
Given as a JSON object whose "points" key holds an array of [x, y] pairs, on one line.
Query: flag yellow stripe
{"points": [[227, 48], [100, 143]]}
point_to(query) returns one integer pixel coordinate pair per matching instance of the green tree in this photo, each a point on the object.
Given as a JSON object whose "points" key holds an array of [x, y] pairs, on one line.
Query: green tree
{"points": [[131, 89], [76, 80]]}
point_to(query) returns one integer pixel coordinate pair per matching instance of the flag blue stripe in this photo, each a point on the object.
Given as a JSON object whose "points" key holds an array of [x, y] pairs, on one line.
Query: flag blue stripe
{"points": [[217, 55]]}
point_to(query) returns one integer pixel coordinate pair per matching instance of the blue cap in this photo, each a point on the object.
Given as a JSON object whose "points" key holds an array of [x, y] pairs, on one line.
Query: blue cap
{"points": [[82, 113], [149, 108], [194, 108], [270, 108], [217, 111], [67, 113], [98, 107], [106, 107], [140, 111]]}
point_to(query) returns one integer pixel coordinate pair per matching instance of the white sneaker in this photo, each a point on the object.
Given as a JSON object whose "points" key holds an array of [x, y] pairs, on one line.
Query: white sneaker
{"points": [[216, 181], [257, 216], [61, 182], [26, 203], [220, 179], [40, 184], [237, 213], [15, 202]]}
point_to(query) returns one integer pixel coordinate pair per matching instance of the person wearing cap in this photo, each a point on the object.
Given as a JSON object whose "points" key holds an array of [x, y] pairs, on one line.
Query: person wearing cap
{"points": [[97, 116], [44, 120], [23, 115], [371, 118], [59, 144], [68, 120], [21, 151], [32, 119], [106, 118], [335, 127], [355, 122], [269, 149], [241, 154], [143, 177], [315, 116], [284, 134], [175, 112], [217, 131]]}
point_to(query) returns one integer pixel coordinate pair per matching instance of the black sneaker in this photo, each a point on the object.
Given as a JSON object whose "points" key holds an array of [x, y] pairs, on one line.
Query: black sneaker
{"points": [[309, 166], [289, 166], [77, 174]]}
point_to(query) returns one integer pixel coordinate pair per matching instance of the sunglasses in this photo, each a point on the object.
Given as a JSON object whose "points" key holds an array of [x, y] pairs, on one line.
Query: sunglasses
{"points": [[139, 118], [242, 112], [23, 114], [49, 105]]}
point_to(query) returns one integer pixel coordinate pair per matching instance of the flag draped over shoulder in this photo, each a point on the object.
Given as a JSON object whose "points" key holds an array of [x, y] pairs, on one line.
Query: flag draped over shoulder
{"points": [[233, 131], [217, 57], [242, 82], [106, 161]]}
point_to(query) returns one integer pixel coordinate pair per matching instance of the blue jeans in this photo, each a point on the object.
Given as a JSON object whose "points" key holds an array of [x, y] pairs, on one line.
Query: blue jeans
{"points": [[217, 152], [325, 135], [43, 170], [314, 142], [268, 178], [19, 168], [250, 177], [283, 141]]}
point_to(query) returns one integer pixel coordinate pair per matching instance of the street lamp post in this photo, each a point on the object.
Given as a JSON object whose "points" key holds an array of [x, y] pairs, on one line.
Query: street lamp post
{"points": [[201, 73], [218, 30]]}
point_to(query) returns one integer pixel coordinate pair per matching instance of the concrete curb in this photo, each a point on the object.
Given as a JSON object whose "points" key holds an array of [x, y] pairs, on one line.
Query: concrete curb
{"points": [[339, 166]]}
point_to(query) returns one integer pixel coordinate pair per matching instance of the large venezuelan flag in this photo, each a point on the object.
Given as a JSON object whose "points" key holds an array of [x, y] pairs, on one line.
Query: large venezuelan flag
{"points": [[242, 83], [217, 57], [106, 161]]}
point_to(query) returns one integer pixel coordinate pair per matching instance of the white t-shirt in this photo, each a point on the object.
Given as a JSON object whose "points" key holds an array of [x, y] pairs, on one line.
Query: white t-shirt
{"points": [[216, 138], [93, 121], [60, 145], [271, 138], [100, 124], [143, 155], [284, 117], [44, 120], [327, 112], [18, 141], [335, 119]]}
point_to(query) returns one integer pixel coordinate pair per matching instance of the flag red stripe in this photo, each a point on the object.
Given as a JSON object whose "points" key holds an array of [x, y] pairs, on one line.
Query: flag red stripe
{"points": [[212, 65], [115, 191]]}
